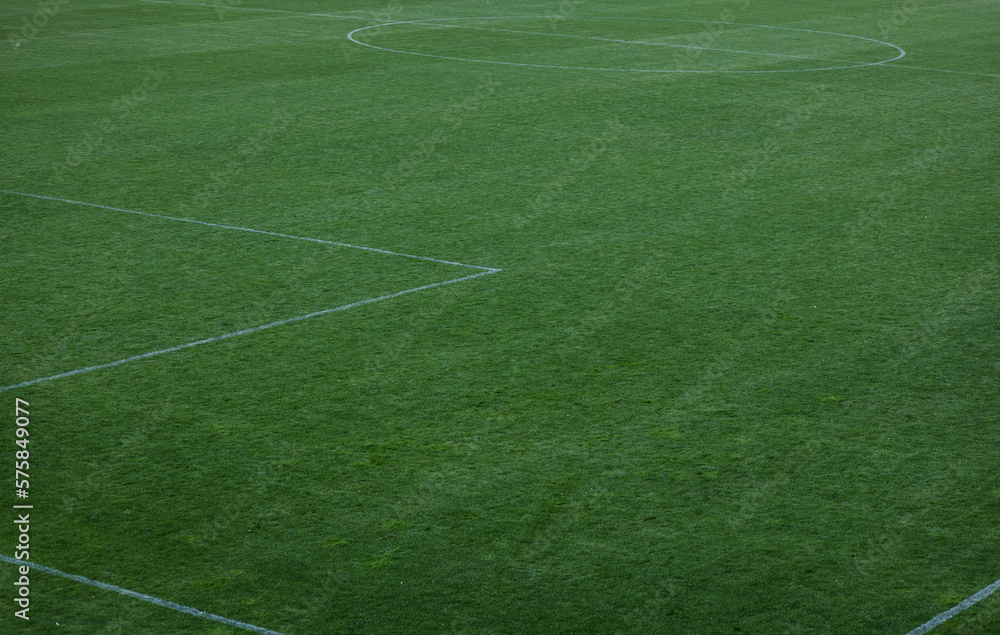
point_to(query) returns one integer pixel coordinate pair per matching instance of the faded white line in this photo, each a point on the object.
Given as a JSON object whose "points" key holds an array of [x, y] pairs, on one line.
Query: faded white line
{"points": [[226, 6], [955, 610], [141, 596], [247, 229], [255, 329], [940, 70]]}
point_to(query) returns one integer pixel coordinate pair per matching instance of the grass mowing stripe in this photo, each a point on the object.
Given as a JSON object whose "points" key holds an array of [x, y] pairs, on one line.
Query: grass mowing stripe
{"points": [[255, 231], [226, 6], [141, 596], [955, 610], [255, 329]]}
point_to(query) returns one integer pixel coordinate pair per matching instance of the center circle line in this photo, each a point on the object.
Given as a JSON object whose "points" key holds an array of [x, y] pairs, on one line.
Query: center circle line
{"points": [[439, 22], [606, 39]]}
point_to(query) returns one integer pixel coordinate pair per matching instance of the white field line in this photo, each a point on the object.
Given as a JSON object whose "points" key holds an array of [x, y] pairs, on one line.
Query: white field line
{"points": [[955, 610], [606, 39], [437, 22], [247, 229], [939, 70], [354, 17], [483, 271], [141, 596], [255, 329]]}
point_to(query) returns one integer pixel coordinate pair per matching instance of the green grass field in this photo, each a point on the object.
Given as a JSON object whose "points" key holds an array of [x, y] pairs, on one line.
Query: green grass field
{"points": [[703, 336]]}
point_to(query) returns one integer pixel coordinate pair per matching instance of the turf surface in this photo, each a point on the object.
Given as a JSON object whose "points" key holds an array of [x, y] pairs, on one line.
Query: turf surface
{"points": [[739, 371]]}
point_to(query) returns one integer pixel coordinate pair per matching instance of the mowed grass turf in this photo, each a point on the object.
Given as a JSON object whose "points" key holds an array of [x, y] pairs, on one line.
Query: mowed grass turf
{"points": [[739, 372]]}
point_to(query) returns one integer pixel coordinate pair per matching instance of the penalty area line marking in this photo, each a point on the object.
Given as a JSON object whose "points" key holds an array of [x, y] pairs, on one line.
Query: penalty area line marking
{"points": [[141, 596], [955, 610], [255, 329], [248, 229], [483, 271]]}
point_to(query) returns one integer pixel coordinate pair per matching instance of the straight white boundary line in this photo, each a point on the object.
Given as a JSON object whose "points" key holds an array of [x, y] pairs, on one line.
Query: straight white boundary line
{"points": [[141, 596], [940, 70], [483, 271], [955, 610], [247, 229], [255, 329]]}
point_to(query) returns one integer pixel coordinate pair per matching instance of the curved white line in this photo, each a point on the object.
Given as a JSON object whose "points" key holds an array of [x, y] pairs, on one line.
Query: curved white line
{"points": [[605, 39], [439, 21]]}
